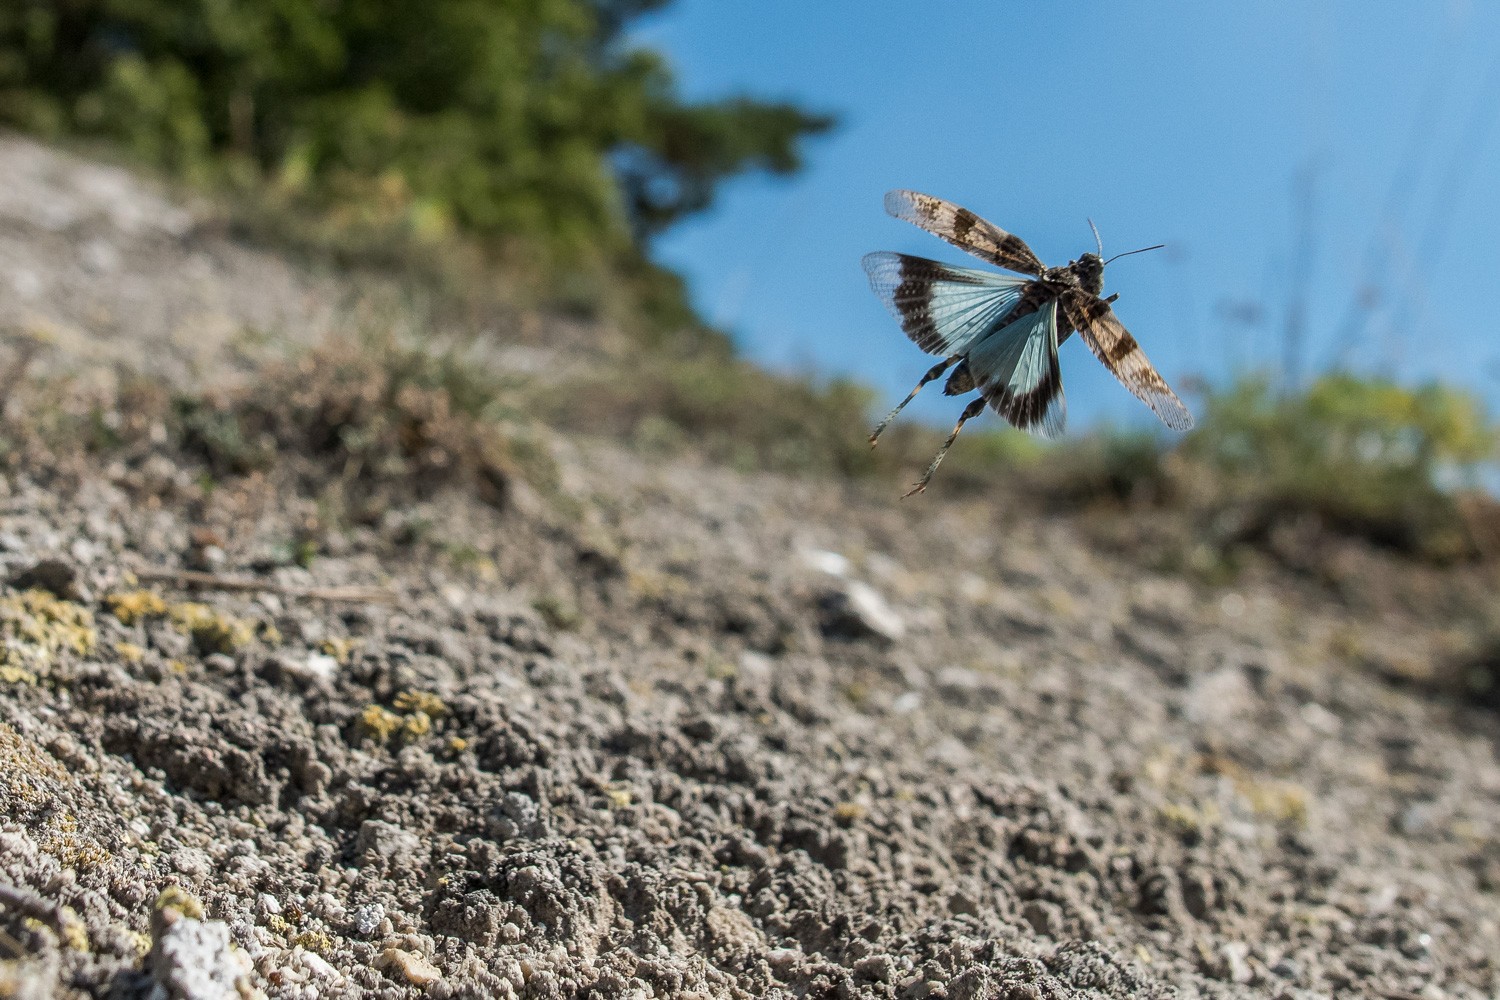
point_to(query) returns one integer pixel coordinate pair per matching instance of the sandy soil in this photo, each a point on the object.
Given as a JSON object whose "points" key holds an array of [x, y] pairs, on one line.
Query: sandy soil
{"points": [[663, 729]]}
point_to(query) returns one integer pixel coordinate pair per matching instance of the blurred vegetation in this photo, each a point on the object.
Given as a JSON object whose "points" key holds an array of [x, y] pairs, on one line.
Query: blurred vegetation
{"points": [[1362, 457], [531, 127], [368, 422], [723, 408], [382, 418]]}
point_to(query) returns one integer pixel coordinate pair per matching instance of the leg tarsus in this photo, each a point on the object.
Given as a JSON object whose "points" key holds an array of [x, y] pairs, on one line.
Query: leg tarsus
{"points": [[934, 373], [972, 410]]}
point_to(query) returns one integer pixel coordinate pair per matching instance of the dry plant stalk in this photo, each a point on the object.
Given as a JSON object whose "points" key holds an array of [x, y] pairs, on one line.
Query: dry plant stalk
{"points": [[194, 579]]}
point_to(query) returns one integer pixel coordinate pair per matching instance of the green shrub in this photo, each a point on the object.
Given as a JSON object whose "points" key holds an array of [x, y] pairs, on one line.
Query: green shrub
{"points": [[530, 126], [1362, 455]]}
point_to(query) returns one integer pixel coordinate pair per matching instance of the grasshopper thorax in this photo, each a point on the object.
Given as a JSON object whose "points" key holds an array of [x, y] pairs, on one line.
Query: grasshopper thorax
{"points": [[1089, 270]]}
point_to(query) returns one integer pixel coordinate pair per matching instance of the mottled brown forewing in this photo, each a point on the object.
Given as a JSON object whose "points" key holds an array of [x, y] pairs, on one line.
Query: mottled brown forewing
{"points": [[1112, 344], [964, 230]]}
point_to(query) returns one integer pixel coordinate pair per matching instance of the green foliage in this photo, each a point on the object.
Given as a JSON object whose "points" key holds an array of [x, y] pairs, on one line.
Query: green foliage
{"points": [[1343, 425], [1363, 455], [529, 125], [674, 169], [1360, 457]]}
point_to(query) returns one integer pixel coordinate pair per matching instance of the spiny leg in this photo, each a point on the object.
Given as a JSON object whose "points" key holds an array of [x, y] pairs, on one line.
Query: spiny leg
{"points": [[972, 410], [936, 371]]}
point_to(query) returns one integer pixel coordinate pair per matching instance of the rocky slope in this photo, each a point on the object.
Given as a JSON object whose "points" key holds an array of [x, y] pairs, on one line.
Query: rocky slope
{"points": [[647, 727]]}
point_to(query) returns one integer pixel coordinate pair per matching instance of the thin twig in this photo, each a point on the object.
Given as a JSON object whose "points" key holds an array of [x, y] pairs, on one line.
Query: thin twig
{"points": [[247, 585]]}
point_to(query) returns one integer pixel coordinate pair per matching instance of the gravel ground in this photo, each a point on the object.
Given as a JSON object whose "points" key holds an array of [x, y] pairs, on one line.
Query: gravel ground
{"points": [[663, 729]]}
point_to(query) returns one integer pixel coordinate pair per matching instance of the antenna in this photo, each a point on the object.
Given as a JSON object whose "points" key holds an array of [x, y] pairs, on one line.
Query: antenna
{"points": [[1097, 241], [1127, 253]]}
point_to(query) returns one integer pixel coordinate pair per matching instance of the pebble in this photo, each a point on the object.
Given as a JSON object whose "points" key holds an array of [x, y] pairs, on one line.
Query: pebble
{"points": [[857, 610], [314, 963], [367, 918], [386, 840], [1236, 966], [192, 960], [824, 561], [318, 667], [415, 968]]}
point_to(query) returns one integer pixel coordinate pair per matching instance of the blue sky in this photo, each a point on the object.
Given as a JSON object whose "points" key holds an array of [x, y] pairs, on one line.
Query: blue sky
{"points": [[1201, 125]]}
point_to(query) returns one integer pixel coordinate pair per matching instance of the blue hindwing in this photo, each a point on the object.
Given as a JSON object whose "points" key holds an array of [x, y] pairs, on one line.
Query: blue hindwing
{"points": [[945, 310], [1016, 369]]}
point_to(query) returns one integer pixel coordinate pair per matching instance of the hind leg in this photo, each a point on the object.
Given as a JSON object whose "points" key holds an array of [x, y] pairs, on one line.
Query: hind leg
{"points": [[935, 372], [972, 410]]}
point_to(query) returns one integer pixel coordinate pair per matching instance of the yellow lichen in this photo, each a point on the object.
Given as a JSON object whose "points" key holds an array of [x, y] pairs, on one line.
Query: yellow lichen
{"points": [[67, 845], [1282, 802], [413, 721], [38, 630], [557, 612], [341, 649], [651, 585], [130, 652], [720, 669], [420, 701], [15, 675], [1187, 818], [847, 812], [176, 898], [379, 723], [74, 932], [28, 773], [317, 941], [212, 631], [457, 744], [130, 606]]}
